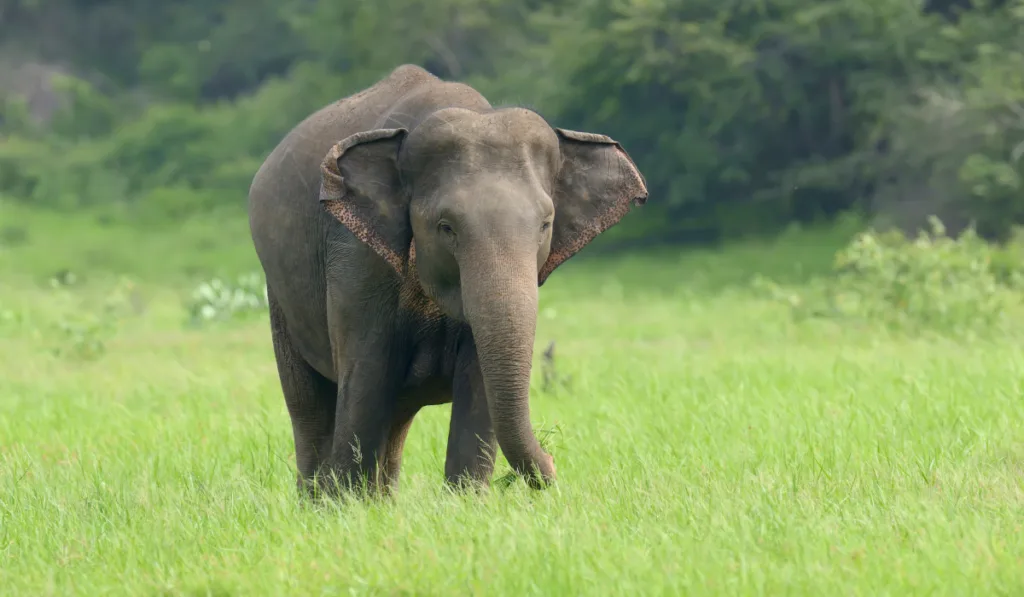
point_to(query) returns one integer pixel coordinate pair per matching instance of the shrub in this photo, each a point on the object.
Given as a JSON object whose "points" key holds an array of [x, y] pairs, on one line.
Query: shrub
{"points": [[931, 282]]}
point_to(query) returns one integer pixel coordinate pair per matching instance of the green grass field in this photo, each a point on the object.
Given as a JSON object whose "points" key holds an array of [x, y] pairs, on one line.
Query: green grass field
{"points": [[707, 444]]}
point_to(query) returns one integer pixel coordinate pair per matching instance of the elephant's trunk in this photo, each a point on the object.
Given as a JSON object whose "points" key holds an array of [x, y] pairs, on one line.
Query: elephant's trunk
{"points": [[499, 297]]}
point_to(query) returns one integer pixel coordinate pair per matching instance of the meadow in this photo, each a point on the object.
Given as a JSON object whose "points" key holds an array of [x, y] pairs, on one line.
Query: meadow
{"points": [[707, 441]]}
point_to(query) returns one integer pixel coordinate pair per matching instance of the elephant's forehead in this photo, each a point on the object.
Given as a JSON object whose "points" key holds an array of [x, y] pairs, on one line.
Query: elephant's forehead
{"points": [[514, 134]]}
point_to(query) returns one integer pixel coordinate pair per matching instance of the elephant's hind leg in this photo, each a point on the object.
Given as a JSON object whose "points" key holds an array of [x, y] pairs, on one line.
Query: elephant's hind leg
{"points": [[311, 399]]}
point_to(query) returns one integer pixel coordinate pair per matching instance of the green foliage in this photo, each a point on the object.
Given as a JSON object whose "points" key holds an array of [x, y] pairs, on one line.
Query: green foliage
{"points": [[166, 160], [86, 112], [744, 116], [956, 134], [931, 282]]}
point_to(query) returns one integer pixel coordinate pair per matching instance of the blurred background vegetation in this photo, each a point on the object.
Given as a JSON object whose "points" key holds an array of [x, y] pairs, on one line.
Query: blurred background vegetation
{"points": [[744, 115]]}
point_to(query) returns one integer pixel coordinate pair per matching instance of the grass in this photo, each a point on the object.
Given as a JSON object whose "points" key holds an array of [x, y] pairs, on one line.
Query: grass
{"points": [[708, 443]]}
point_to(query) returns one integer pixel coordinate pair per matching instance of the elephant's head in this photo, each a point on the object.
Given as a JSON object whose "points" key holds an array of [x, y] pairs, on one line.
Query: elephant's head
{"points": [[480, 208]]}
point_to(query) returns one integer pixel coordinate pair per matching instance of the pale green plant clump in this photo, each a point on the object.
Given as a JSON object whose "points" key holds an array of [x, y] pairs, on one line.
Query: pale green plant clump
{"points": [[220, 300]]}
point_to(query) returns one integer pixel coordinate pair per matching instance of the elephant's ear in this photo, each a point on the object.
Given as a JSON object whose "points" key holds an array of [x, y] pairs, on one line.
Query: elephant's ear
{"points": [[360, 186], [595, 187]]}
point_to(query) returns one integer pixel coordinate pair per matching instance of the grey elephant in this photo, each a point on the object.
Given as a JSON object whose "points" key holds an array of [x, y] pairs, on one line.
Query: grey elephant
{"points": [[404, 232]]}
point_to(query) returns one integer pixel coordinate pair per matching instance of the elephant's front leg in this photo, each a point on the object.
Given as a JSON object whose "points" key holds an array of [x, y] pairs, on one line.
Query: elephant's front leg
{"points": [[392, 465], [472, 446], [367, 397]]}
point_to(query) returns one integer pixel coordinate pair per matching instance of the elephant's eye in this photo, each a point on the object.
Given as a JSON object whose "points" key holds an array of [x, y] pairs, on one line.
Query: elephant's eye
{"points": [[446, 228], [544, 227]]}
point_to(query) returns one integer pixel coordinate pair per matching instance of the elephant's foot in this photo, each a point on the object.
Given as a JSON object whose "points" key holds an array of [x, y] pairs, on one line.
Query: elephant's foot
{"points": [[357, 484], [467, 482], [330, 483]]}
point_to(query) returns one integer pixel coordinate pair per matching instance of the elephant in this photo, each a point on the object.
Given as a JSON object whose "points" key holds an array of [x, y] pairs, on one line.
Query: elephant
{"points": [[404, 232]]}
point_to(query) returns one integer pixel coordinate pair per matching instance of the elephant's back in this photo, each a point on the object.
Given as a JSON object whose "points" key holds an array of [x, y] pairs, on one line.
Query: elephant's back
{"points": [[287, 223], [292, 170]]}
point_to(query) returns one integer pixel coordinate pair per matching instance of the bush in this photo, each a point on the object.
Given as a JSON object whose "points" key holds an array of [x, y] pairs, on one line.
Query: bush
{"points": [[933, 282]]}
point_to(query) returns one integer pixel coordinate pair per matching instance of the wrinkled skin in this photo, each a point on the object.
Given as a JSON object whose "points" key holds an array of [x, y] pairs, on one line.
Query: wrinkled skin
{"points": [[404, 232]]}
